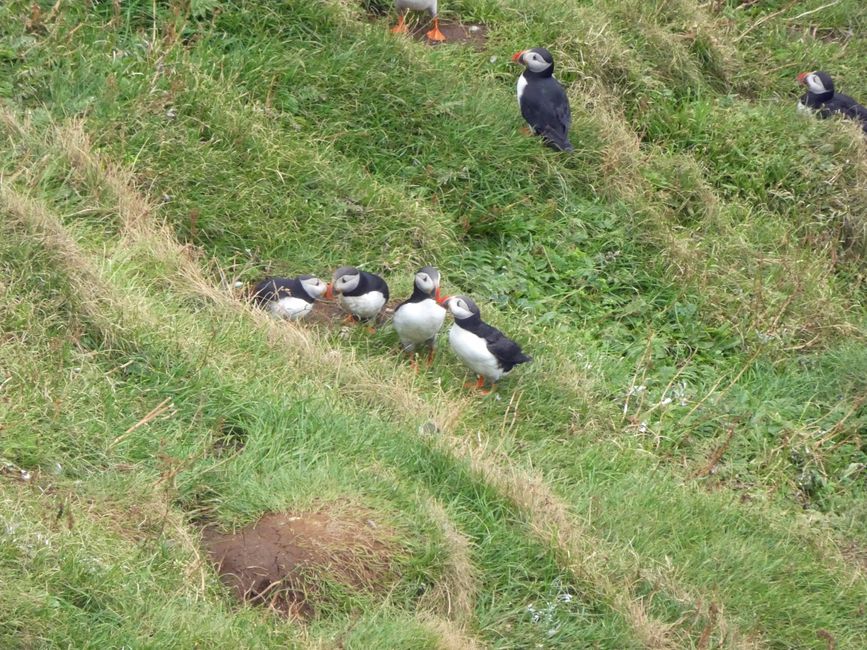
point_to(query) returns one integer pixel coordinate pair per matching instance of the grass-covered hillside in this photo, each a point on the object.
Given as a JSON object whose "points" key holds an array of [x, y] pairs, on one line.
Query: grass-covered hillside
{"points": [[681, 466]]}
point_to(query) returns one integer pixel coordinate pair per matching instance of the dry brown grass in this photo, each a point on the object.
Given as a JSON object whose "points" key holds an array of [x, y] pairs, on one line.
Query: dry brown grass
{"points": [[454, 596]]}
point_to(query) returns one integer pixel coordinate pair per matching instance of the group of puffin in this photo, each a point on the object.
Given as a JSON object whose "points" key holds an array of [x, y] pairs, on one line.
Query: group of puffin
{"points": [[417, 320]]}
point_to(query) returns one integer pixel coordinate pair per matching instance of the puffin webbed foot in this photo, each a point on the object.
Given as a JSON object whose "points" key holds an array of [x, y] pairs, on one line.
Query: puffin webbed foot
{"points": [[435, 34], [400, 28]]}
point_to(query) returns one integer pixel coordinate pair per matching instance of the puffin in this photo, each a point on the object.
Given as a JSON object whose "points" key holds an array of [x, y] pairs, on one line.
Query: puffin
{"points": [[484, 349], [418, 319], [361, 294], [542, 99], [429, 6], [821, 98], [288, 298]]}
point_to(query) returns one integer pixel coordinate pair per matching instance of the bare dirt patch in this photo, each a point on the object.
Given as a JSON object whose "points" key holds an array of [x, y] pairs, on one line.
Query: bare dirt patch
{"points": [[455, 33], [286, 562]]}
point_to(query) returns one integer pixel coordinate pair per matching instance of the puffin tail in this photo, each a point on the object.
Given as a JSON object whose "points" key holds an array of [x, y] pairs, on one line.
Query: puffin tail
{"points": [[558, 141]]}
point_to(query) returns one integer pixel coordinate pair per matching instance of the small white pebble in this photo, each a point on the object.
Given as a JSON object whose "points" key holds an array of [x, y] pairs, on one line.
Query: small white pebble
{"points": [[666, 401], [493, 59], [167, 198], [25, 475], [171, 113], [474, 28], [238, 284]]}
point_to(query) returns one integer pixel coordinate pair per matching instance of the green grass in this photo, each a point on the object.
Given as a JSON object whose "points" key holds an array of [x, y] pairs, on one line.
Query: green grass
{"points": [[683, 464]]}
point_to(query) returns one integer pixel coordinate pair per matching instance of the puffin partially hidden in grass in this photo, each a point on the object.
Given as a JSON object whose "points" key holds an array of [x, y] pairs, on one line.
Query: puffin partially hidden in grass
{"points": [[289, 298], [418, 319], [824, 101], [542, 99], [484, 349], [429, 6], [361, 294]]}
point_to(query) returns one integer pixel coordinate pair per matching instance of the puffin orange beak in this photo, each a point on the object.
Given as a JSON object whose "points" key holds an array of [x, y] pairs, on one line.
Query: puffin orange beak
{"points": [[802, 78], [516, 57], [442, 300], [437, 294], [329, 291]]}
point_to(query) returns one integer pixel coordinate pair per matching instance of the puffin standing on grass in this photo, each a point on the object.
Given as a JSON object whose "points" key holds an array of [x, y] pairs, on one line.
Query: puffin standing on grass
{"points": [[418, 5], [418, 319], [484, 349], [542, 99], [289, 298], [361, 294], [823, 100]]}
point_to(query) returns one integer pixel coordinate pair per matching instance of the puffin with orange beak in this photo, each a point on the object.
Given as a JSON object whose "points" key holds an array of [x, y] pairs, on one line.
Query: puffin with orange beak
{"points": [[361, 294], [418, 319], [542, 99], [822, 99], [484, 349]]}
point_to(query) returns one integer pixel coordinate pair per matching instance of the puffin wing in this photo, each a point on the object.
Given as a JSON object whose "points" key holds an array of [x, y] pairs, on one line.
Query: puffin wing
{"points": [[376, 283], [271, 289], [507, 352], [546, 109]]}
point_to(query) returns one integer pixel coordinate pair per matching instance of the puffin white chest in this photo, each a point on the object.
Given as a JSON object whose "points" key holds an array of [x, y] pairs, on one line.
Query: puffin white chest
{"points": [[418, 5], [290, 308], [418, 322], [522, 85], [367, 305], [473, 351]]}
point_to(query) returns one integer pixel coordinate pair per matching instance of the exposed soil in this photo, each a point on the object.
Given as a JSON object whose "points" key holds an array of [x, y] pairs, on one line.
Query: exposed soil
{"points": [[455, 33], [475, 35], [284, 561]]}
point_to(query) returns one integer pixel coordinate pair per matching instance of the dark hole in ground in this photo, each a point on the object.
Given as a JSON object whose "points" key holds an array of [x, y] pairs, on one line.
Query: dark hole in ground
{"points": [[283, 561], [229, 437]]}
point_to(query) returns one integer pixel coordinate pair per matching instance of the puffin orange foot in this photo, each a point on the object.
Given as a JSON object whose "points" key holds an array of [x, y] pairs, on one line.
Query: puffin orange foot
{"points": [[435, 34], [400, 28], [371, 329]]}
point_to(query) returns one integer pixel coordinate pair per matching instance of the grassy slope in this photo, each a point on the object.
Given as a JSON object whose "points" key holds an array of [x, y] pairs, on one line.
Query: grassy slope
{"points": [[703, 244]]}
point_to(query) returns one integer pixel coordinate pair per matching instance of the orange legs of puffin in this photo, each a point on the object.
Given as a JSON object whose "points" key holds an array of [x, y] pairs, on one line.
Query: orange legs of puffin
{"points": [[430, 358], [400, 28], [479, 386], [435, 34], [413, 362]]}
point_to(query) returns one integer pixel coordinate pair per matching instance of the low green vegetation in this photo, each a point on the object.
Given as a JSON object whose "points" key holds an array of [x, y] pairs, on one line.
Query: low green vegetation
{"points": [[682, 465]]}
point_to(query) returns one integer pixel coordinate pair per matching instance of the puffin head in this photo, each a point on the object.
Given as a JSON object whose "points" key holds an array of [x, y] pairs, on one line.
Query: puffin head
{"points": [[817, 82], [538, 60], [428, 281], [346, 278], [314, 287], [461, 307]]}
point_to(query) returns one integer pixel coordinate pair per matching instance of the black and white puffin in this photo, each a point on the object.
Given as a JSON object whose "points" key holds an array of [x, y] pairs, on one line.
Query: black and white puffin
{"points": [[542, 99], [418, 319], [289, 298], [484, 349], [824, 101], [429, 6], [361, 294]]}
